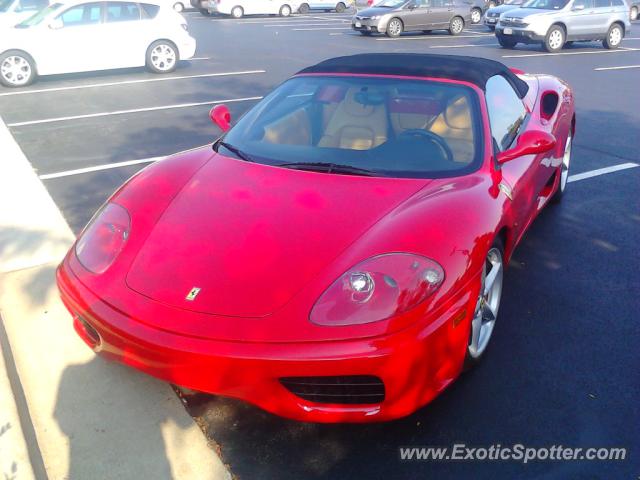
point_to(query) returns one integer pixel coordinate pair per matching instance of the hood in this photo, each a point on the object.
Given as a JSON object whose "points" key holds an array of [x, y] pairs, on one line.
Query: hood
{"points": [[529, 12], [250, 236], [373, 11]]}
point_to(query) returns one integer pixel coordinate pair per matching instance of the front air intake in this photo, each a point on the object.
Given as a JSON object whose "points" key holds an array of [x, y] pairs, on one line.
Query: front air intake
{"points": [[352, 389]]}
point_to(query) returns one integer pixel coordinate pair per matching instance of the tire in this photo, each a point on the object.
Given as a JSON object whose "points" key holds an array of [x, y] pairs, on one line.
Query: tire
{"points": [[476, 15], [285, 11], [17, 69], [394, 28], [456, 26], [506, 42], [614, 37], [487, 305], [554, 41], [633, 15], [237, 12], [178, 7], [162, 56], [304, 8], [564, 170], [341, 7]]}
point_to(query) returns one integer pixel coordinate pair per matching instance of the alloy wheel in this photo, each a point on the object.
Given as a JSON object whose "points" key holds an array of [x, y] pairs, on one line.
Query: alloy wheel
{"points": [[486, 312], [555, 39], [476, 16], [457, 25], [163, 57], [615, 36], [16, 70], [395, 27]]}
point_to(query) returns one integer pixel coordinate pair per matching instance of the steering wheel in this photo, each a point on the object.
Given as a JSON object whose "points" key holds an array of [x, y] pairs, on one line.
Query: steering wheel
{"points": [[432, 137]]}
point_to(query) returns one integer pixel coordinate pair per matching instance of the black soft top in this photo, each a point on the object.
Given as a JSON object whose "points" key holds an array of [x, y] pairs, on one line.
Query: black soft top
{"points": [[455, 67]]}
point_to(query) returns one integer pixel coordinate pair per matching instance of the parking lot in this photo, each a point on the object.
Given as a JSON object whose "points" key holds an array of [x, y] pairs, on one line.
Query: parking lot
{"points": [[563, 367]]}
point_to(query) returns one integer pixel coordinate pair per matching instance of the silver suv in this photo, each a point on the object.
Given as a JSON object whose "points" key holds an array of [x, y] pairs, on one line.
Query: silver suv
{"points": [[556, 23]]}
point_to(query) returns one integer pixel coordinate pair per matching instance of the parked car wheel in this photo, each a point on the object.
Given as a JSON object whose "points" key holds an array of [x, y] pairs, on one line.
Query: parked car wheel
{"points": [[341, 7], [17, 69], [487, 306], [304, 8], [178, 7], [237, 12], [555, 39], [456, 26], [476, 15], [394, 28], [162, 57], [634, 13], [564, 172], [285, 11], [506, 42], [614, 37]]}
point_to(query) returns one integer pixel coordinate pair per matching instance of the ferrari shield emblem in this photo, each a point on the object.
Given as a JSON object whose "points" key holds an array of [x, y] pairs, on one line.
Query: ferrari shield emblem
{"points": [[193, 293]]}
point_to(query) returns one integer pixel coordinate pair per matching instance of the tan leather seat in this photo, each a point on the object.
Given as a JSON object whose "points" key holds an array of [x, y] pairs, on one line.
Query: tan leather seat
{"points": [[456, 127], [356, 126], [294, 129]]}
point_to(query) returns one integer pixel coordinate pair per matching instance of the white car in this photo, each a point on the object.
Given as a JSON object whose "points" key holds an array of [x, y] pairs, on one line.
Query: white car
{"points": [[327, 5], [81, 36], [239, 8], [15, 11]]}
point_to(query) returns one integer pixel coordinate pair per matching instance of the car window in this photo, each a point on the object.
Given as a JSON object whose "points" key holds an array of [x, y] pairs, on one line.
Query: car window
{"points": [[5, 5], [583, 3], [506, 111], [602, 3], [84, 14], [618, 3], [31, 5], [389, 126], [122, 12], [150, 11], [38, 17]]}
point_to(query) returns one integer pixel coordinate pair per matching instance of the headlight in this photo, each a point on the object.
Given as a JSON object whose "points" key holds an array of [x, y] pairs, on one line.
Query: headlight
{"points": [[378, 288], [104, 238], [376, 17]]}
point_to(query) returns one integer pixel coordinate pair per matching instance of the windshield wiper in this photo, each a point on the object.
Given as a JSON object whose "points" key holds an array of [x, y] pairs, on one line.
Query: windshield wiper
{"points": [[236, 151], [329, 168]]}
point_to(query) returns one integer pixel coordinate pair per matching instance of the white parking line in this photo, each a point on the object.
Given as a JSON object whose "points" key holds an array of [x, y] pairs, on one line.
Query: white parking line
{"points": [[625, 67], [436, 37], [137, 110], [621, 50], [271, 25], [321, 28], [79, 171], [130, 82], [601, 171]]}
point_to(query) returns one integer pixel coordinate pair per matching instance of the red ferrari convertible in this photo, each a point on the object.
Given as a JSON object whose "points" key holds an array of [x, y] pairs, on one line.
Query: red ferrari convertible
{"points": [[337, 255]]}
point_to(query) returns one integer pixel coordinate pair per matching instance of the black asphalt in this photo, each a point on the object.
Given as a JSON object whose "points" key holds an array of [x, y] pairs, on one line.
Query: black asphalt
{"points": [[564, 364]]}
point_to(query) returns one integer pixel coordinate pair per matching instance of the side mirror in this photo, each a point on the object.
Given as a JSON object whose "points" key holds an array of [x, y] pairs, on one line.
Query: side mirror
{"points": [[577, 8], [221, 117], [528, 143], [56, 24]]}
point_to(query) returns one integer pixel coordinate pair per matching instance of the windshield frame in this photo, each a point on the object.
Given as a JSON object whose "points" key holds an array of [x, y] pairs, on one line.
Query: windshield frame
{"points": [[38, 17], [396, 4], [6, 5], [475, 96]]}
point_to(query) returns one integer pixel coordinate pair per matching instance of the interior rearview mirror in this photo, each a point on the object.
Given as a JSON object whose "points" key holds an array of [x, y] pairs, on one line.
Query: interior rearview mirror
{"points": [[56, 24], [221, 117], [531, 142]]}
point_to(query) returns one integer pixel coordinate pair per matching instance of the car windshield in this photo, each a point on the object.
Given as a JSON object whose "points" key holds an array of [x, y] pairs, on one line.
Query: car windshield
{"points": [[390, 3], [546, 4], [363, 125], [39, 16], [5, 5]]}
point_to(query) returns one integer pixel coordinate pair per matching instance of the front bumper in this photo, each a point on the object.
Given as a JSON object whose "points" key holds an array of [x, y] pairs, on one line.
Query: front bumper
{"points": [[522, 35], [368, 25], [490, 21], [414, 364], [187, 47]]}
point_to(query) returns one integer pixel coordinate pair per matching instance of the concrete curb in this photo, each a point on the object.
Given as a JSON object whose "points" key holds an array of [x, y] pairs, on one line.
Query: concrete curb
{"points": [[92, 418]]}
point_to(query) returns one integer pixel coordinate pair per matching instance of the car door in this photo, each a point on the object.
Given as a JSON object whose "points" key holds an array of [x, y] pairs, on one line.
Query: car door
{"points": [[523, 178], [603, 9], [439, 14], [129, 34], [411, 15], [74, 40], [579, 19]]}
